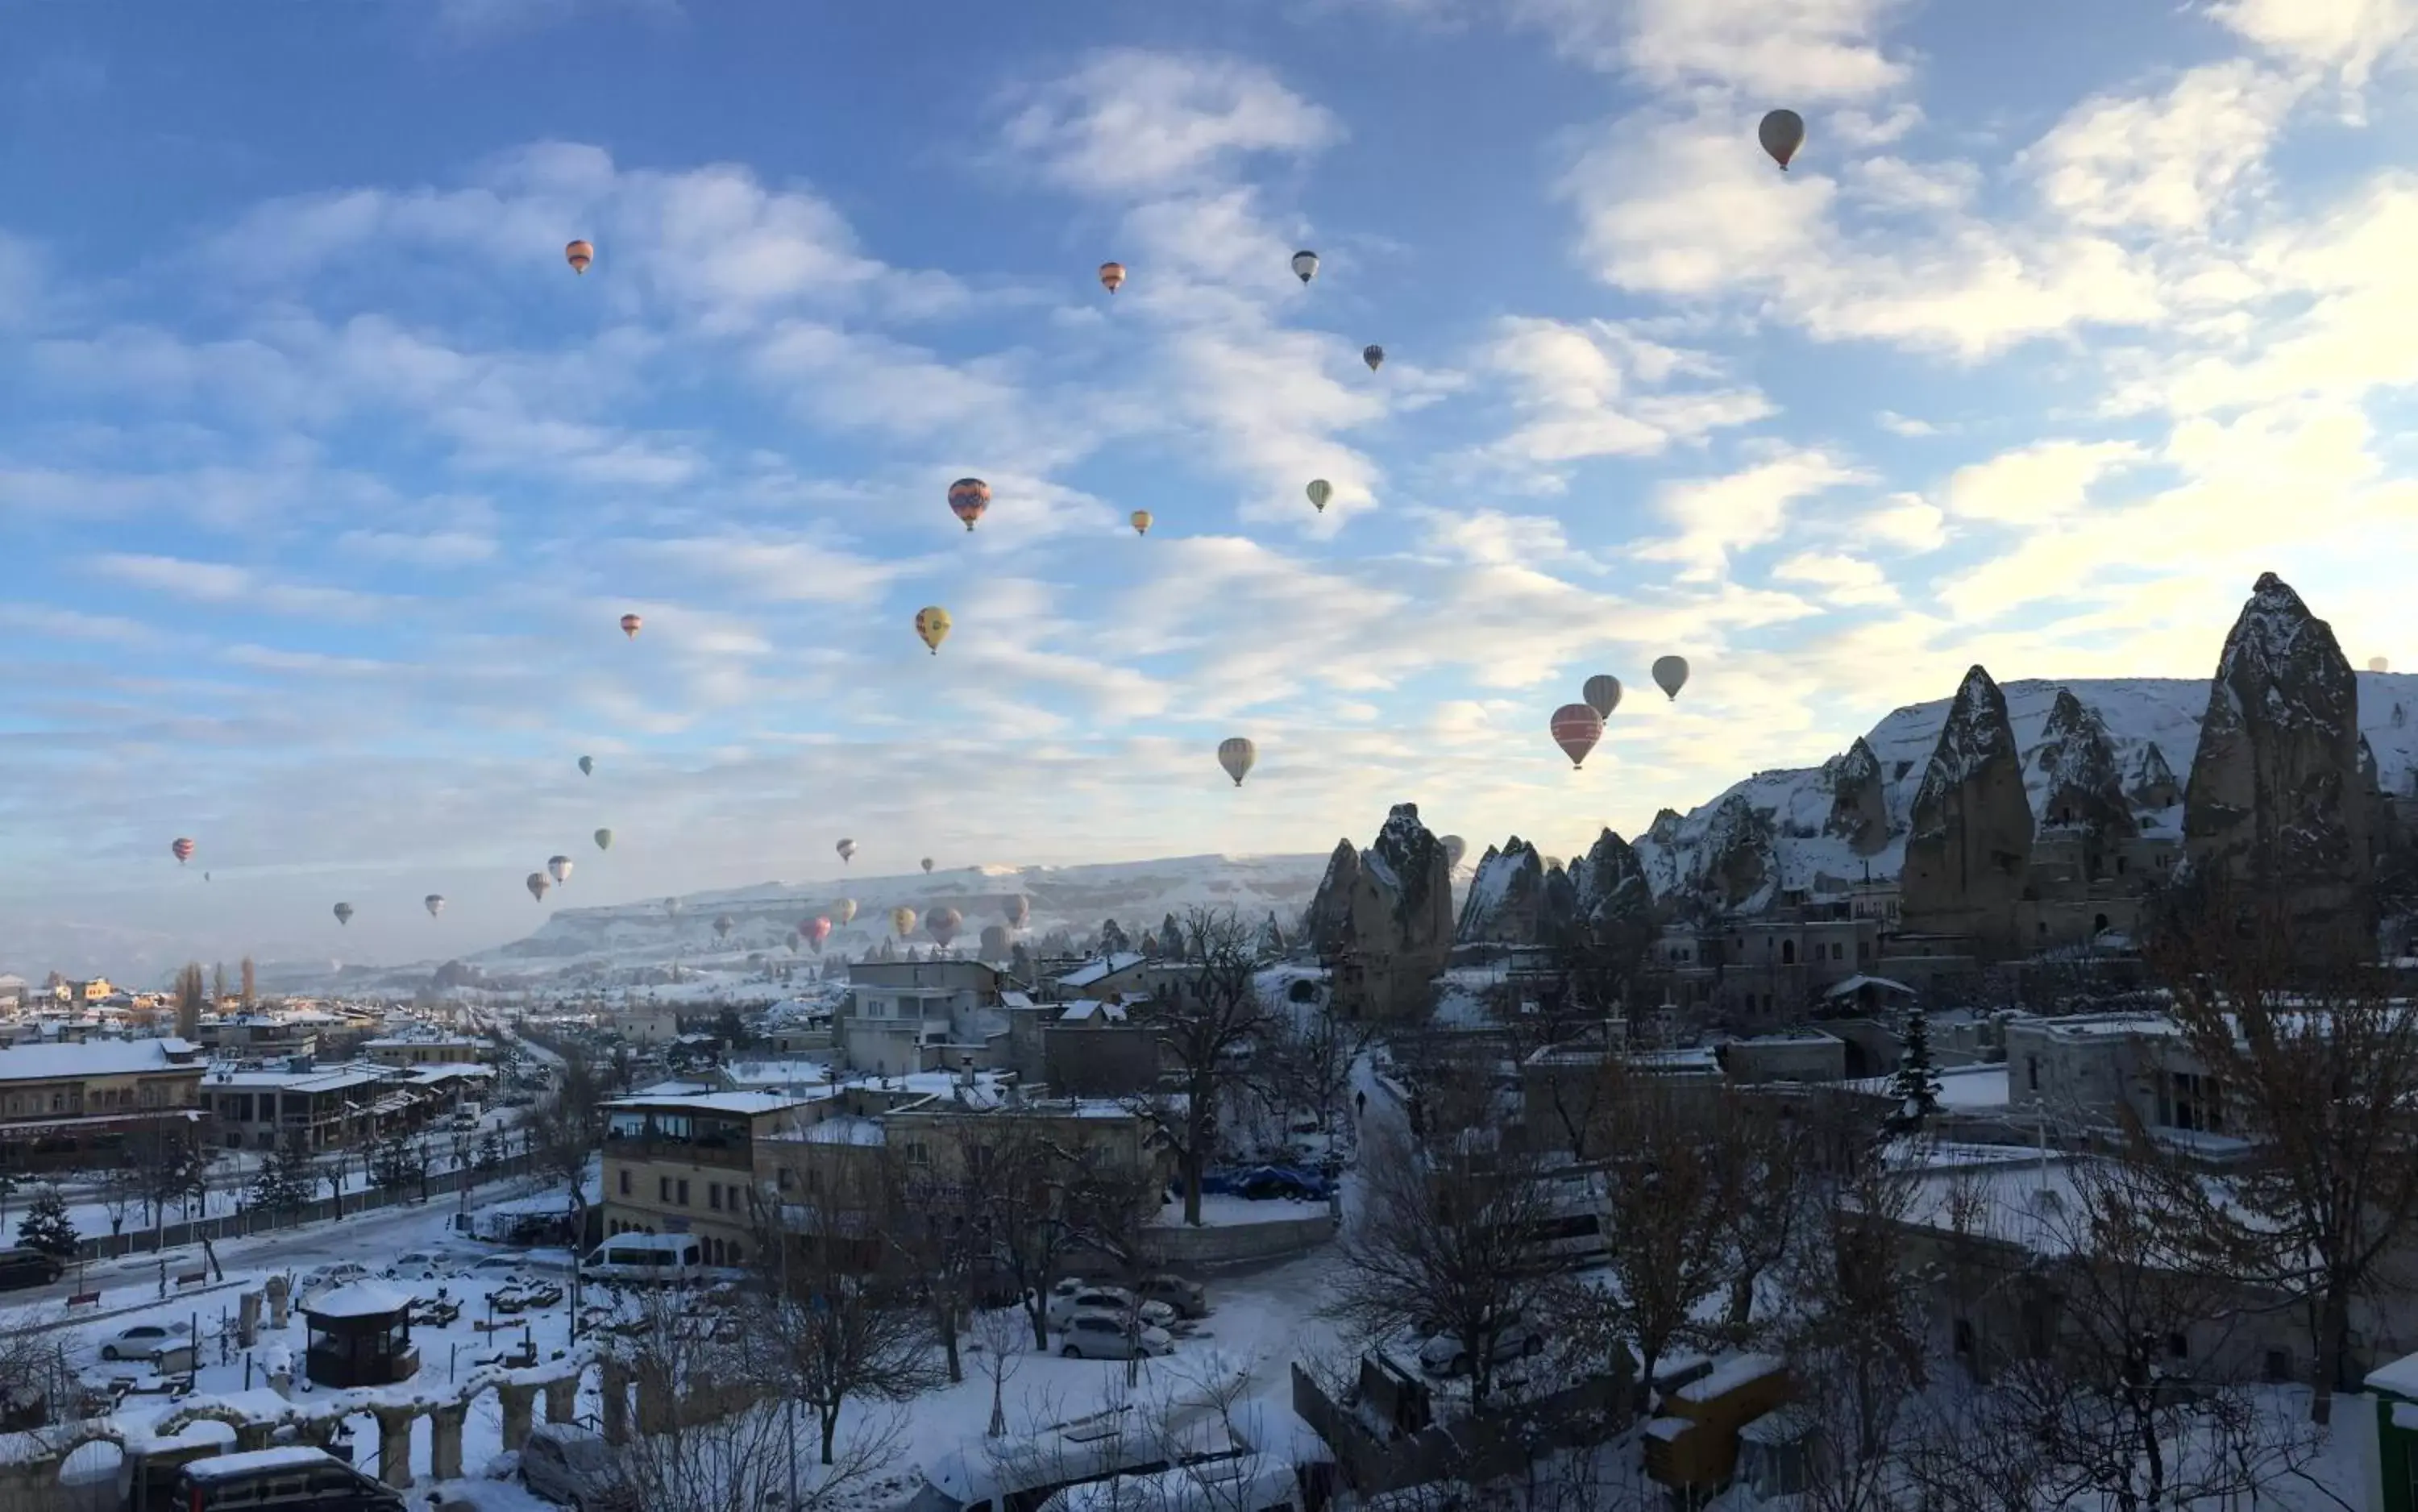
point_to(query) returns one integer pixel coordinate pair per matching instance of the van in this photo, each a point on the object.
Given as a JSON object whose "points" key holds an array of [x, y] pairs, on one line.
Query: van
{"points": [[28, 1267], [645, 1258], [296, 1479]]}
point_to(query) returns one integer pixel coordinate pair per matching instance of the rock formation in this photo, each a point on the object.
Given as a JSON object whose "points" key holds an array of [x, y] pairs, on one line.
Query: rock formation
{"points": [[1858, 800], [2083, 789], [1383, 918], [1504, 893], [1613, 904], [2275, 801], [1742, 865], [2152, 783], [1970, 840], [1665, 828]]}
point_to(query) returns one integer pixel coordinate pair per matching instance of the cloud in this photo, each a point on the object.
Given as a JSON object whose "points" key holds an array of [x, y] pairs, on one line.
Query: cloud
{"points": [[225, 584], [2036, 485], [1720, 516], [1128, 122], [2355, 37], [1840, 579], [2169, 164], [1598, 390], [1811, 50]]}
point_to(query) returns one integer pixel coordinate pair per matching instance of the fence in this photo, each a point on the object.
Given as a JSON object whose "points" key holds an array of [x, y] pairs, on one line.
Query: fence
{"points": [[318, 1210]]}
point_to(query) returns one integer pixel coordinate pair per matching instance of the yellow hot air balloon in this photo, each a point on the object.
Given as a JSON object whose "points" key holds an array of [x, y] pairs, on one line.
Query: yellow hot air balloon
{"points": [[1320, 490], [932, 626], [1111, 274], [902, 922], [1142, 522], [579, 254]]}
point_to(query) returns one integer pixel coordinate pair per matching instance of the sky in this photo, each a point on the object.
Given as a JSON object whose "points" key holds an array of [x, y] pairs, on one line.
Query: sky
{"points": [[324, 481]]}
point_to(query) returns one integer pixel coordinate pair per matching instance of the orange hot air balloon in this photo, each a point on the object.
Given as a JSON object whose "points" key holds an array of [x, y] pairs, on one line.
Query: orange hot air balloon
{"points": [[1576, 728], [968, 498], [579, 254], [630, 624], [1111, 274], [1142, 522], [182, 849]]}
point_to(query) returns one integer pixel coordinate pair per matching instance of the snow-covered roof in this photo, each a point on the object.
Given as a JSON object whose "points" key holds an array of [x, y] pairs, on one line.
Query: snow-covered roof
{"points": [[1086, 1009], [2399, 1377], [1858, 981], [357, 1299], [93, 1057], [1962, 1088], [748, 1104], [398, 1041], [1099, 969], [846, 1128], [318, 1079], [251, 1461]]}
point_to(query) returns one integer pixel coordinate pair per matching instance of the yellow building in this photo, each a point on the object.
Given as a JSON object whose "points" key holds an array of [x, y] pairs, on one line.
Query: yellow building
{"points": [[60, 1104], [687, 1165]]}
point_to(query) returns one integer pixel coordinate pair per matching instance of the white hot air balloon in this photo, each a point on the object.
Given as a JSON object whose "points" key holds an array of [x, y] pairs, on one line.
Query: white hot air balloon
{"points": [[1237, 755], [434, 903], [559, 868]]}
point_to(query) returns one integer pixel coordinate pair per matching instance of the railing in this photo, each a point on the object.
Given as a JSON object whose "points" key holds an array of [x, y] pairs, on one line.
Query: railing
{"points": [[258, 1220]]}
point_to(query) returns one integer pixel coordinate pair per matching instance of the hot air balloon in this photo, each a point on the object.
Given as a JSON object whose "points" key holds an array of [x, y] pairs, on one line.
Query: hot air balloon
{"points": [[1576, 728], [344, 914], [932, 626], [846, 850], [817, 930], [1454, 848], [902, 922], [2379, 664], [1305, 264], [1237, 755], [993, 946], [1320, 490], [968, 498], [603, 839], [721, 927], [537, 885], [630, 624], [1019, 909], [579, 254], [944, 925], [672, 907], [559, 868], [928, 865], [205, 876], [846, 910], [1671, 674], [1602, 693], [1111, 274], [182, 850], [588, 766], [1140, 522], [1374, 355], [434, 903], [1782, 133]]}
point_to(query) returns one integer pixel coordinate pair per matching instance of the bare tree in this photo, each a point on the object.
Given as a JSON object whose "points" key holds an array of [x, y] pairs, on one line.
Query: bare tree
{"points": [[1446, 1241], [1000, 1334], [190, 995], [828, 1329], [1310, 1053], [2318, 1068], [35, 1381], [1206, 1030], [251, 982], [566, 1133]]}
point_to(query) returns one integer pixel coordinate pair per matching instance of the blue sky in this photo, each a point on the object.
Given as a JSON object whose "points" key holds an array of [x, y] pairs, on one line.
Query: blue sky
{"points": [[324, 481]]}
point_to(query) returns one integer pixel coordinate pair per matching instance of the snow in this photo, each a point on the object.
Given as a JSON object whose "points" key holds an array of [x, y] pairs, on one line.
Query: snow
{"points": [[358, 1299], [220, 1467], [748, 1104], [1729, 1376], [93, 1057], [1962, 1088], [1855, 984], [1095, 971], [2399, 1377], [2135, 712]]}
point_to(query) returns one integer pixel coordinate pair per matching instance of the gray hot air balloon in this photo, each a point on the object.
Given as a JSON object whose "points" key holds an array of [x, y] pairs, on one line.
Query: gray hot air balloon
{"points": [[434, 903], [1602, 693], [559, 868], [846, 850], [1782, 133], [1374, 355], [1237, 755], [537, 884], [344, 914], [723, 926], [994, 944], [603, 839], [1019, 909], [672, 907], [1305, 264], [1320, 490], [588, 766], [928, 865], [846, 912], [1671, 674], [944, 925], [1454, 848]]}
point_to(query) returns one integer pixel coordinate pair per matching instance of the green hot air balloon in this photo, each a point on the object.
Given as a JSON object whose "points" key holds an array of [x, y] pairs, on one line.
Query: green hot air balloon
{"points": [[1320, 490], [603, 839]]}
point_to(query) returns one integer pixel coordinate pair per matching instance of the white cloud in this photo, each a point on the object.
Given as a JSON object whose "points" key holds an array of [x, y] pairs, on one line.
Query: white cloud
{"points": [[226, 585], [1596, 390], [1719, 516], [2171, 163], [2035, 484], [1129, 122], [1840, 579], [1811, 50], [2353, 36]]}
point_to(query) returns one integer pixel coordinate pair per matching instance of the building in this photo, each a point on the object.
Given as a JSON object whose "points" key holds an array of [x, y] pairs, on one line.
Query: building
{"points": [[262, 1036], [428, 1051], [2105, 1070], [63, 1104], [326, 1108], [686, 1163], [906, 1016], [1767, 968]]}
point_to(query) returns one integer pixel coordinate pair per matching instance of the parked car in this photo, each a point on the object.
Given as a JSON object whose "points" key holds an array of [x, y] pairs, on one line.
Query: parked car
{"points": [[419, 1265], [1445, 1354], [1066, 1302], [144, 1341], [573, 1467], [1188, 1298], [294, 1478], [1099, 1336], [1262, 1183], [28, 1267]]}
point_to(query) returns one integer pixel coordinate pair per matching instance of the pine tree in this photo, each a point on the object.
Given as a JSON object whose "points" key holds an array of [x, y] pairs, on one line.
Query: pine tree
{"points": [[396, 1162], [251, 982], [1170, 938], [1112, 940], [284, 1181], [46, 1225], [1914, 1092]]}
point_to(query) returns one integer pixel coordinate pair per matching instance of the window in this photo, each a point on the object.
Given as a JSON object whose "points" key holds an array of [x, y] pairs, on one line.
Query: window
{"points": [[789, 1177], [2099, 923], [662, 1189], [684, 1191], [1963, 1338], [625, 1182], [1788, 952], [731, 1251], [2179, 1346], [2031, 1070], [2279, 1366], [917, 1155], [1838, 950], [714, 1195]]}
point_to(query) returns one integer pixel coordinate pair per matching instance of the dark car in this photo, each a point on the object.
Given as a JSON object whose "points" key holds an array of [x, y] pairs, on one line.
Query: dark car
{"points": [[28, 1267], [293, 1480]]}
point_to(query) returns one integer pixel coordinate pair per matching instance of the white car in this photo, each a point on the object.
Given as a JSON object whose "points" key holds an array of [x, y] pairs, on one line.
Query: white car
{"points": [[1066, 1300], [1445, 1354], [144, 1341], [419, 1265], [1099, 1336]]}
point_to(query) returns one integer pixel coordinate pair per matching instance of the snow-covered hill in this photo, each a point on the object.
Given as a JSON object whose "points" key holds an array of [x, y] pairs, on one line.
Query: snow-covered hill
{"points": [[764, 918], [2137, 712]]}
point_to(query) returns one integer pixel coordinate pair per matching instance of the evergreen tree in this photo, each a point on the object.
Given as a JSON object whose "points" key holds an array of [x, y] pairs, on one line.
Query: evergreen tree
{"points": [[1170, 938], [285, 1180], [191, 994], [491, 1149], [397, 1162], [46, 1225], [1112, 940], [251, 982], [1150, 945], [1914, 1092]]}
